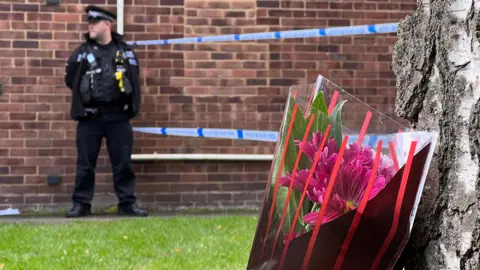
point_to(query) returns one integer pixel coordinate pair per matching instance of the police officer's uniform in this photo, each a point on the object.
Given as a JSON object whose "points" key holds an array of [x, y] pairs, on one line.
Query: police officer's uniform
{"points": [[105, 85]]}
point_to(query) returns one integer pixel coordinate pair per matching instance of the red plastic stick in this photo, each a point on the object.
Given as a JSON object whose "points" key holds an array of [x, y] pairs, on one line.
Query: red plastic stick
{"points": [[399, 251], [269, 223], [393, 152], [318, 223], [295, 167], [361, 208], [333, 102], [304, 193], [366, 122], [394, 156], [271, 168], [398, 207]]}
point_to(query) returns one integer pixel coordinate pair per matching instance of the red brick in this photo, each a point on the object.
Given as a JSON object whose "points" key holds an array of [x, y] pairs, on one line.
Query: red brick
{"points": [[12, 162], [4, 25], [23, 170], [23, 26], [5, 7], [231, 85], [172, 2], [52, 26], [12, 16], [22, 116], [365, 6], [210, 13], [268, 3], [10, 35], [53, 45], [36, 125], [66, 36], [39, 17], [18, 189], [43, 199], [6, 199], [29, 179], [25, 7], [25, 44]]}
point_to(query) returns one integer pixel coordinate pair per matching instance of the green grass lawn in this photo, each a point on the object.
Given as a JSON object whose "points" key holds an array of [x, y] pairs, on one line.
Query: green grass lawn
{"points": [[152, 243]]}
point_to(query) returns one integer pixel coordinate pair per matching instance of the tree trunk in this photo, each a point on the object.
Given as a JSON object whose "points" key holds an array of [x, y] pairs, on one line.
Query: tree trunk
{"points": [[437, 64]]}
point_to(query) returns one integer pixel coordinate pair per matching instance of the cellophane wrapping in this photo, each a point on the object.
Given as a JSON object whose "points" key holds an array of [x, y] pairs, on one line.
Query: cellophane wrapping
{"points": [[344, 184]]}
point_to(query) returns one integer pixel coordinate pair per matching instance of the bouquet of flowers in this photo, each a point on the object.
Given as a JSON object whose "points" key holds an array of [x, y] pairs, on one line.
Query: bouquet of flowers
{"points": [[343, 187]]}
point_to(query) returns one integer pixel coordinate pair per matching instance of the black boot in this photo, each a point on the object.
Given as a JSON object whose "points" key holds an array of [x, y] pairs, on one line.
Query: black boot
{"points": [[132, 210], [79, 210]]}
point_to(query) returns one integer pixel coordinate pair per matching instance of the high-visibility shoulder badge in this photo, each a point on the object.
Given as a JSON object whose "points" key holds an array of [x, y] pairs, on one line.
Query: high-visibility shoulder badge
{"points": [[129, 54], [132, 61], [81, 56], [90, 58]]}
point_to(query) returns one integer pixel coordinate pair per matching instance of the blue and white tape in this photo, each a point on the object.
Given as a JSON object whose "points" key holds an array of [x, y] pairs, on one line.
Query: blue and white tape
{"points": [[305, 33], [243, 134]]}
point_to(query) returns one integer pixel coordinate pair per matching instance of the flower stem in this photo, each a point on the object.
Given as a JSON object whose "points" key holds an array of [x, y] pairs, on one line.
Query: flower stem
{"points": [[315, 207]]}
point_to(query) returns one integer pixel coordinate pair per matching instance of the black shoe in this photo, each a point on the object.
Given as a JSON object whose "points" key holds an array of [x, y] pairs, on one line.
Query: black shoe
{"points": [[132, 210], [79, 210]]}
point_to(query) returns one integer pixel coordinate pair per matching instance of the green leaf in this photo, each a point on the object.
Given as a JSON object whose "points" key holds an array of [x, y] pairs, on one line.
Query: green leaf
{"points": [[298, 131], [319, 103], [291, 209], [336, 120], [320, 123], [299, 126]]}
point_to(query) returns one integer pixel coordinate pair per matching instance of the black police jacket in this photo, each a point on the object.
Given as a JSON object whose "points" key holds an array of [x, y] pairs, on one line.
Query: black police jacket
{"points": [[77, 66]]}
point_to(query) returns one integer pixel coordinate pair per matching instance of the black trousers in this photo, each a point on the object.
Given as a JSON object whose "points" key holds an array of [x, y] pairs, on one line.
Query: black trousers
{"points": [[119, 140]]}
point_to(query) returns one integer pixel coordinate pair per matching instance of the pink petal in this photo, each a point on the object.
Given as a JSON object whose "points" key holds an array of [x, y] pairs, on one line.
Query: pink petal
{"points": [[285, 180], [378, 185], [329, 216], [299, 180], [311, 218], [337, 204], [316, 194]]}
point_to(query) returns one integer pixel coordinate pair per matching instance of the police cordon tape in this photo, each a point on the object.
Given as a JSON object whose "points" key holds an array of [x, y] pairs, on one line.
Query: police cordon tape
{"points": [[304, 33], [244, 134], [256, 135]]}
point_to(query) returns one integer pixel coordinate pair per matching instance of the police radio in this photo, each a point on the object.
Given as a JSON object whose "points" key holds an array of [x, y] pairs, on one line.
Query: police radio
{"points": [[123, 83], [120, 70]]}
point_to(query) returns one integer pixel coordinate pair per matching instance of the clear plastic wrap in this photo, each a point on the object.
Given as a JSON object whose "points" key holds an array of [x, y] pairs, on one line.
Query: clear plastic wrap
{"points": [[344, 184]]}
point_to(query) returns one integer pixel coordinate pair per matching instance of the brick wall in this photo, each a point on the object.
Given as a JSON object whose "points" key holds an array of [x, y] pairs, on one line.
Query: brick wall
{"points": [[228, 85]]}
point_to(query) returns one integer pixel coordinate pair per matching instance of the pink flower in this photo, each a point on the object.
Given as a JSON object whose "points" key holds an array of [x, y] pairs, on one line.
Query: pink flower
{"points": [[347, 192], [312, 146], [299, 181], [359, 156], [350, 184], [353, 176], [326, 162], [386, 167], [311, 218]]}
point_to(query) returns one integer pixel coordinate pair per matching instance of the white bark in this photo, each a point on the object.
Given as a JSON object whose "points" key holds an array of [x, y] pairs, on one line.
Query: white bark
{"points": [[437, 63]]}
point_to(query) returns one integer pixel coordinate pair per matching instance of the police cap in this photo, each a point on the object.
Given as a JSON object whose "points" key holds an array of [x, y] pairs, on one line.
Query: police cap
{"points": [[95, 13]]}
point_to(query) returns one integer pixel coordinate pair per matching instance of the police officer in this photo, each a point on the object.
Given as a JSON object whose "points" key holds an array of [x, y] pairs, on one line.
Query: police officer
{"points": [[103, 74]]}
